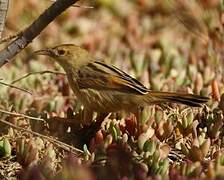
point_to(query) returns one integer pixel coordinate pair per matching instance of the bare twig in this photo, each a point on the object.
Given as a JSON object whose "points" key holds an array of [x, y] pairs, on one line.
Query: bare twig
{"points": [[82, 6], [10, 37], [21, 115], [54, 141], [79, 6], [34, 29], [15, 87], [4, 4], [34, 73]]}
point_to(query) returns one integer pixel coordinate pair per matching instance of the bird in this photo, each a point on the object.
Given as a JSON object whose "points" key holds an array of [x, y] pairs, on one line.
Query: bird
{"points": [[102, 87]]}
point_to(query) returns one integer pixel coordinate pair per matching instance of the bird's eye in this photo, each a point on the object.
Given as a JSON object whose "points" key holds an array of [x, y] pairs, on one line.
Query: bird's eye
{"points": [[61, 52]]}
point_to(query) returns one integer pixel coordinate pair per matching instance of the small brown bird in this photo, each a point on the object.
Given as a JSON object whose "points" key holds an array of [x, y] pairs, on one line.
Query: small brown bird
{"points": [[105, 88]]}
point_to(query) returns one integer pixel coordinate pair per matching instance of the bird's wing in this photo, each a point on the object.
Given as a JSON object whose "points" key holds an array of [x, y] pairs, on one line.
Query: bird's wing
{"points": [[100, 76]]}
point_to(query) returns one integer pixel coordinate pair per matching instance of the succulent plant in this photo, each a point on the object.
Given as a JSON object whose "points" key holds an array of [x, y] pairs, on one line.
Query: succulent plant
{"points": [[5, 147], [26, 152]]}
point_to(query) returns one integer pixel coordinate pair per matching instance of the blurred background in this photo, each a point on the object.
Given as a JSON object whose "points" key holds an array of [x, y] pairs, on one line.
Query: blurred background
{"points": [[167, 45]]}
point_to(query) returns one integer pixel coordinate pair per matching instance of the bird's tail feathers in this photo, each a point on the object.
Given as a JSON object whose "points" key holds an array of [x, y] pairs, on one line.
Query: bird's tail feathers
{"points": [[193, 100]]}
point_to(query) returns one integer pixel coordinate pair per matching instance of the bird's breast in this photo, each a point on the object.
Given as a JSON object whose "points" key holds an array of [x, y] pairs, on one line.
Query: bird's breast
{"points": [[99, 101], [107, 101]]}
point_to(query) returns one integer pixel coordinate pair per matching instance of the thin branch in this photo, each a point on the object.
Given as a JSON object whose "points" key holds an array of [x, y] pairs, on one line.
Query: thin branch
{"points": [[34, 73], [34, 30], [79, 6], [82, 6], [10, 37], [4, 4], [21, 115], [54, 141], [15, 87]]}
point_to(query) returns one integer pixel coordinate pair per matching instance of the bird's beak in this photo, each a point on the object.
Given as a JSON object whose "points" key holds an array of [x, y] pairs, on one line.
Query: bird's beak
{"points": [[46, 52]]}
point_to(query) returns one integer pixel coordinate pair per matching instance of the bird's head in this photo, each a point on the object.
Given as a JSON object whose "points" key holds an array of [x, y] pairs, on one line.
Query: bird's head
{"points": [[67, 55]]}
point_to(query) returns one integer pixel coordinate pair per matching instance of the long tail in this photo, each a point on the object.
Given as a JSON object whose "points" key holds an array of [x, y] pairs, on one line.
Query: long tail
{"points": [[158, 97]]}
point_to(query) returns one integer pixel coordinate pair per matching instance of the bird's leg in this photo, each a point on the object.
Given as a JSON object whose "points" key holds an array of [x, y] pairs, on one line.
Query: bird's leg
{"points": [[87, 117]]}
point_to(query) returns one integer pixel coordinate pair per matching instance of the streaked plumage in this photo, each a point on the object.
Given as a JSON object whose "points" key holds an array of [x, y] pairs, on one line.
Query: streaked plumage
{"points": [[105, 88]]}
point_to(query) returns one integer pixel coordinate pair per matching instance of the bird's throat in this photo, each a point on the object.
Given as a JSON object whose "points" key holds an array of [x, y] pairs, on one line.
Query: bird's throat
{"points": [[72, 79]]}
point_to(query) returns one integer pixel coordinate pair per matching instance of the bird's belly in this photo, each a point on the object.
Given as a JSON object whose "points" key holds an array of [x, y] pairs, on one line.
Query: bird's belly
{"points": [[106, 101]]}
